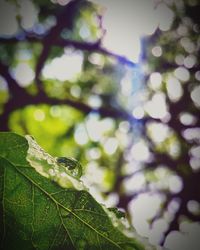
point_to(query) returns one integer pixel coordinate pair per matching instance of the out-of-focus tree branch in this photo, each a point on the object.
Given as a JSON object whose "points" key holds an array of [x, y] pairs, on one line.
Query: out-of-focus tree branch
{"points": [[180, 166], [85, 46]]}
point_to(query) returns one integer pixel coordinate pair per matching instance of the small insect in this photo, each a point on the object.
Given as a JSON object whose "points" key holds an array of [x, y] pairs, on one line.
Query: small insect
{"points": [[71, 164]]}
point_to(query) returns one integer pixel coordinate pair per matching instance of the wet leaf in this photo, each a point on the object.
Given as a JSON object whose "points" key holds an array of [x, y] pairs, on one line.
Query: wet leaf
{"points": [[40, 211], [74, 167], [119, 214], [53, 168]]}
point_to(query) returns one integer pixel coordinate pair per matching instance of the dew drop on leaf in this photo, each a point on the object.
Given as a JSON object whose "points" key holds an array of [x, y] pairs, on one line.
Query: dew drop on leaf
{"points": [[71, 164], [52, 172], [59, 170]]}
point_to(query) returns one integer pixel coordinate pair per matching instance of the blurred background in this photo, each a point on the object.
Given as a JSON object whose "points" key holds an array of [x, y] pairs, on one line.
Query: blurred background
{"points": [[114, 84]]}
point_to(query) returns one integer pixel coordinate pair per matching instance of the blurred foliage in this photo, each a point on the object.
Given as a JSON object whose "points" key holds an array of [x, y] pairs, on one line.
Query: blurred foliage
{"points": [[100, 114]]}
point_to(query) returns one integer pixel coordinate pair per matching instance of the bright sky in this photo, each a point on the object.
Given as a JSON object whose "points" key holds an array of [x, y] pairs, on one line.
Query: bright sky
{"points": [[126, 21]]}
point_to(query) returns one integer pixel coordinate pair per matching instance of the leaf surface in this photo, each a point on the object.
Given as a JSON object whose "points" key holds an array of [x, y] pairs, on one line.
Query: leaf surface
{"points": [[38, 213]]}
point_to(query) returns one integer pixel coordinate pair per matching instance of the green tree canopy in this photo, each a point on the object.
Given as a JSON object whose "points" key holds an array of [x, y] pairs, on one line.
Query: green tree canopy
{"points": [[132, 123]]}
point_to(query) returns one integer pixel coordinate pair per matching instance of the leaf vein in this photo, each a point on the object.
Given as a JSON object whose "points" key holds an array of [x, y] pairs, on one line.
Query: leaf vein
{"points": [[64, 225], [65, 208]]}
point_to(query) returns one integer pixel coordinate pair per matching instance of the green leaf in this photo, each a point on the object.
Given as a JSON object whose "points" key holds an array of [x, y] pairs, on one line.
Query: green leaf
{"points": [[66, 175], [119, 214], [38, 213]]}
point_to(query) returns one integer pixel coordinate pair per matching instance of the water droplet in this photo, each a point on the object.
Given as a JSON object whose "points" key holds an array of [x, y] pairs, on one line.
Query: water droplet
{"points": [[74, 167], [52, 172], [60, 170], [67, 162], [49, 160]]}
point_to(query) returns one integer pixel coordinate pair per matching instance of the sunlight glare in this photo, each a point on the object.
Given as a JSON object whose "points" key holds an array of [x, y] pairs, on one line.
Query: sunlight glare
{"points": [[197, 75], [9, 24], [143, 208], [55, 111], [138, 112], [157, 51], [136, 182], [124, 126], [124, 32], [80, 135], [165, 16], [3, 83], [96, 59], [94, 174], [127, 29], [94, 101], [28, 14], [126, 83], [173, 206], [187, 44], [140, 152], [174, 88], [195, 164], [157, 107], [195, 96], [23, 74], [182, 74], [193, 206], [175, 184], [187, 239], [192, 134], [155, 80], [158, 132], [63, 2], [190, 61], [111, 145], [97, 128], [195, 151], [39, 115], [159, 227], [75, 91], [93, 154], [187, 119], [63, 68], [179, 59]]}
